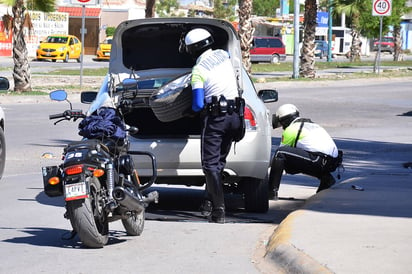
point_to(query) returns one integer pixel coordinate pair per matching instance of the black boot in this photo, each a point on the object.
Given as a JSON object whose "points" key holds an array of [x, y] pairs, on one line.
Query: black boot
{"points": [[326, 181], [206, 207], [276, 171], [215, 192]]}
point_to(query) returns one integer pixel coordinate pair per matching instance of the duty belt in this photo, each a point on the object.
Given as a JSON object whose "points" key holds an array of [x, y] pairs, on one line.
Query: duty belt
{"points": [[221, 106]]}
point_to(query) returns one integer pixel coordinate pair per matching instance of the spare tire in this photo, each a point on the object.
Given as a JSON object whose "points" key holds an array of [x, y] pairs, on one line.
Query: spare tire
{"points": [[172, 99]]}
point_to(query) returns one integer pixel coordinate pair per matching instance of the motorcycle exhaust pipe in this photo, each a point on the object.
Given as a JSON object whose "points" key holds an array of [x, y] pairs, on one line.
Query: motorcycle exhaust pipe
{"points": [[126, 199]]}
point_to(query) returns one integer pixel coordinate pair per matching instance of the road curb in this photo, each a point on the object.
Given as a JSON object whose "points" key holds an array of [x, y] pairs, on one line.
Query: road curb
{"points": [[286, 256]]}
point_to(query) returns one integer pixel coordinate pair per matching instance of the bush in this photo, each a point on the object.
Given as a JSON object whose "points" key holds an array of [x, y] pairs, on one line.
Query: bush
{"points": [[110, 31]]}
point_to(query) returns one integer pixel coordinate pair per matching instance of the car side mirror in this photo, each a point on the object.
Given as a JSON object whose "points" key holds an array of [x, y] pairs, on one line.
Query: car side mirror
{"points": [[4, 83], [268, 95], [87, 97]]}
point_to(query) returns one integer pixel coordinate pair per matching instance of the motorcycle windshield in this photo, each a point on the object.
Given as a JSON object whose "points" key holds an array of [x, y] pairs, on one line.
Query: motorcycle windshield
{"points": [[103, 98]]}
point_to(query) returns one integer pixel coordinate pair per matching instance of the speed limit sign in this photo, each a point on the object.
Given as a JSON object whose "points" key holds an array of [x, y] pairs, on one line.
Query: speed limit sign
{"points": [[382, 7], [84, 2]]}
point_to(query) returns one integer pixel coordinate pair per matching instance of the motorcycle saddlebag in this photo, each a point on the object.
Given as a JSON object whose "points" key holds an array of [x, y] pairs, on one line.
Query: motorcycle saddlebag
{"points": [[52, 190]]}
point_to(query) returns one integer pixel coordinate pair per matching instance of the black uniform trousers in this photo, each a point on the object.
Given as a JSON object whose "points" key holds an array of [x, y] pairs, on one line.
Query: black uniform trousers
{"points": [[297, 160], [217, 137]]}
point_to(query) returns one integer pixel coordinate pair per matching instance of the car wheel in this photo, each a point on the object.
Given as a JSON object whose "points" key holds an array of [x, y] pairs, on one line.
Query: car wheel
{"points": [[66, 58], [78, 60], [321, 55], [2, 152], [172, 99], [256, 194], [275, 59], [53, 60]]}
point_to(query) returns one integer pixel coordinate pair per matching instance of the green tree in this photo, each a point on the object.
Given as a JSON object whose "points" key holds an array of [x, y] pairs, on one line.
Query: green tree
{"points": [[19, 19], [399, 9], [167, 8], [367, 25], [224, 9], [265, 7], [354, 9]]}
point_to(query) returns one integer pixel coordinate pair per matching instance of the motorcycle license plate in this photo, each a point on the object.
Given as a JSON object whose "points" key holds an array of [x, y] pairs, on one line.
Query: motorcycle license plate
{"points": [[76, 191]]}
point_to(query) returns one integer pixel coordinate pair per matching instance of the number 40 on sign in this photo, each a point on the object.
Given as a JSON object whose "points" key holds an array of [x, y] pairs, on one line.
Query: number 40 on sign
{"points": [[382, 7]]}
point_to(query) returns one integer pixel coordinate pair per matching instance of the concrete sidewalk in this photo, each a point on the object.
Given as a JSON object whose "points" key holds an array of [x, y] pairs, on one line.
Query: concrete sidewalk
{"points": [[344, 230]]}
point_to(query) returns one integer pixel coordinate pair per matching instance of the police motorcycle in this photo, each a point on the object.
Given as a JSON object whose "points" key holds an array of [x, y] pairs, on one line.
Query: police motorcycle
{"points": [[97, 177]]}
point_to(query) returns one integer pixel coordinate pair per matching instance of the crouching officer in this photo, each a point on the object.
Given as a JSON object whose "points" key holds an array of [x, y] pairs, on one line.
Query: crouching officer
{"points": [[215, 96], [305, 148]]}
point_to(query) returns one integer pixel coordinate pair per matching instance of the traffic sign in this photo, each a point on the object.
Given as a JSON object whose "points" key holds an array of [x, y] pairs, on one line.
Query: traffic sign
{"points": [[84, 2], [382, 7]]}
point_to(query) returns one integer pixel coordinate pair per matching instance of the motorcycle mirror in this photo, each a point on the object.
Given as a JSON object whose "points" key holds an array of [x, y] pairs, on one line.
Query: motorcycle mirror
{"points": [[87, 97], [4, 83], [58, 95]]}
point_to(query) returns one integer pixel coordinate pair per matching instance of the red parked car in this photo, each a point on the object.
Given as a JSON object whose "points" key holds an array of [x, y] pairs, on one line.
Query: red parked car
{"points": [[387, 44], [267, 49]]}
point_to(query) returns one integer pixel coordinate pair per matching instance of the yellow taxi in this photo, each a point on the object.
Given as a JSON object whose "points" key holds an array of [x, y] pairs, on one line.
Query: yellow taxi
{"points": [[60, 47], [103, 51]]}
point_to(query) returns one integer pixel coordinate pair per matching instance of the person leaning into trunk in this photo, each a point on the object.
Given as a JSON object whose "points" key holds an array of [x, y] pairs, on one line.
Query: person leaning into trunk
{"points": [[305, 148], [215, 96]]}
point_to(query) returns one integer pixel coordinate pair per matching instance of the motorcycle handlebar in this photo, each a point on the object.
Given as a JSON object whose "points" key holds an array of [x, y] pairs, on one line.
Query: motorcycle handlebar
{"points": [[68, 114], [56, 116]]}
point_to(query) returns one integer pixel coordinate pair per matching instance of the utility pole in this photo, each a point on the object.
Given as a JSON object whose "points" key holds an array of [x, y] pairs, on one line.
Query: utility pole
{"points": [[330, 32]]}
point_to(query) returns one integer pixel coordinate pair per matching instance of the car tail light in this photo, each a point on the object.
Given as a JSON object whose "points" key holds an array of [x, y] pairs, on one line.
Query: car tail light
{"points": [[250, 119]]}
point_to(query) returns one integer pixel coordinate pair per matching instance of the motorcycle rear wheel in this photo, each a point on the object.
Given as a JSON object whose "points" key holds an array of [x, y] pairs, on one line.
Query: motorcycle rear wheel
{"points": [[134, 224], [88, 217]]}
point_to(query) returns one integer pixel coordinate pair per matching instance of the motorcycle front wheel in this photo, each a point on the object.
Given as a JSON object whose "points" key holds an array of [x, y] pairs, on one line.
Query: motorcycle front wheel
{"points": [[88, 217], [134, 224]]}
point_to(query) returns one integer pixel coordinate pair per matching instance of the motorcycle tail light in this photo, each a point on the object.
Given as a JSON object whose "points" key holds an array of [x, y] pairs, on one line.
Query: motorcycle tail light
{"points": [[76, 169], [54, 181], [98, 172]]}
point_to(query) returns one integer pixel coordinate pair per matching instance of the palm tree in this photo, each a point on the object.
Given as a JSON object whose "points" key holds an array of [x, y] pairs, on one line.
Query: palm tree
{"points": [[352, 8], [20, 19], [399, 9], [150, 8], [245, 31], [307, 62]]}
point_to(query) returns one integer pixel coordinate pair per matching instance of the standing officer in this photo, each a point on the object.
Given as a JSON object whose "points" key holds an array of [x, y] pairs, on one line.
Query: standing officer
{"points": [[215, 95], [305, 148]]}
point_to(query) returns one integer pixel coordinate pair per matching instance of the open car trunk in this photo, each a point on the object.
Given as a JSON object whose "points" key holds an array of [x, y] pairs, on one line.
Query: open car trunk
{"points": [[152, 50]]}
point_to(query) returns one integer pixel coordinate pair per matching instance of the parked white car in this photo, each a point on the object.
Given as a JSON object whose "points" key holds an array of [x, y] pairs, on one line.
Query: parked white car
{"points": [[150, 50], [4, 85]]}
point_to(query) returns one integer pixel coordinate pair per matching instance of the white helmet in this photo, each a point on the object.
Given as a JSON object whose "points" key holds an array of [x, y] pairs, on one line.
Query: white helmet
{"points": [[285, 115], [197, 39]]}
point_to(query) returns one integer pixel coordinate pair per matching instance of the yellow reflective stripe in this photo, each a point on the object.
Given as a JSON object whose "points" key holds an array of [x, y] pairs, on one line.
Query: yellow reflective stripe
{"points": [[290, 133], [197, 76]]}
